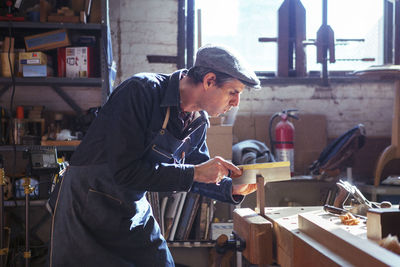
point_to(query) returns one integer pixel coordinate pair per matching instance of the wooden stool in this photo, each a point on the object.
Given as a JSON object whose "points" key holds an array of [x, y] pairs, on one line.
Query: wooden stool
{"points": [[388, 72]]}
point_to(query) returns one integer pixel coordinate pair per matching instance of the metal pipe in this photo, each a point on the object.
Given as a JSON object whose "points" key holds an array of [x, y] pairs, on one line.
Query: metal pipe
{"points": [[325, 43], [199, 40], [190, 33], [396, 33], [388, 32], [181, 34]]}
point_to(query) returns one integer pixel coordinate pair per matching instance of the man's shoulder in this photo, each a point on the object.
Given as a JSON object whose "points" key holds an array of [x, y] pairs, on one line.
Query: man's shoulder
{"points": [[148, 78], [143, 83]]}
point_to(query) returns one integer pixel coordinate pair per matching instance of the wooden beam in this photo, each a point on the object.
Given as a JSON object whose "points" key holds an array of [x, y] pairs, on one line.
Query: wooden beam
{"points": [[162, 59], [326, 229], [256, 231], [260, 195]]}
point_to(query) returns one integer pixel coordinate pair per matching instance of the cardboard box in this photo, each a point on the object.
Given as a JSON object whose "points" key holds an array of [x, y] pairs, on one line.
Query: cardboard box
{"points": [[60, 18], [309, 141], [8, 44], [215, 120], [36, 71], [5, 64], [31, 58], [219, 141], [218, 229], [47, 40], [75, 62]]}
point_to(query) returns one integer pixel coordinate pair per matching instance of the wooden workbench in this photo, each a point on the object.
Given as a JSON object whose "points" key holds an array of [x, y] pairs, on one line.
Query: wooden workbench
{"points": [[308, 236]]}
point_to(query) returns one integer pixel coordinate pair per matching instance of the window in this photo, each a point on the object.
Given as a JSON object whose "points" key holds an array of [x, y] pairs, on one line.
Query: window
{"points": [[240, 23]]}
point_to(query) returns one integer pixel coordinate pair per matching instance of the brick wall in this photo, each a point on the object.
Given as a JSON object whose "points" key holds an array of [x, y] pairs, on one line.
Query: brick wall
{"points": [[343, 104], [141, 28]]}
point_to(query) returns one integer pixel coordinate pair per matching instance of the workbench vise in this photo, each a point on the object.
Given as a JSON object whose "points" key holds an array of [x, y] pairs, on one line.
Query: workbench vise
{"points": [[234, 243], [256, 233]]}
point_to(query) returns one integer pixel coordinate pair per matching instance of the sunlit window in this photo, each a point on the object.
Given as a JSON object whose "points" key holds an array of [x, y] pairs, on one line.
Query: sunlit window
{"points": [[240, 24]]}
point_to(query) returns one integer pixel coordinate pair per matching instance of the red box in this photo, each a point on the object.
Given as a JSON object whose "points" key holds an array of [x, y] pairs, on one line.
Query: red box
{"points": [[75, 62]]}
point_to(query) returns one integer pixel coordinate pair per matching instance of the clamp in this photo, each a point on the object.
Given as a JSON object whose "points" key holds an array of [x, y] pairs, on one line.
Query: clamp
{"points": [[234, 243]]}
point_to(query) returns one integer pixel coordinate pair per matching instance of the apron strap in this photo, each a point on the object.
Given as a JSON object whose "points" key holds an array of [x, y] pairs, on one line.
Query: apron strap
{"points": [[164, 126]]}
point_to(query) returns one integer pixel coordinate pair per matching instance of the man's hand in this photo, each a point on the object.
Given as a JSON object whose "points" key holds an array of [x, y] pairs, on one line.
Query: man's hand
{"points": [[214, 170], [243, 189]]}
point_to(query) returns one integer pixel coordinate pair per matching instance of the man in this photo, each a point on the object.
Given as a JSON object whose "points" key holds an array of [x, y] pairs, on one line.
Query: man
{"points": [[149, 136]]}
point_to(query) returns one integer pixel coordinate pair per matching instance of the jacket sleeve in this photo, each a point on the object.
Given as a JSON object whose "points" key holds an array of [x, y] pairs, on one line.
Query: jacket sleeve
{"points": [[221, 192], [129, 112]]}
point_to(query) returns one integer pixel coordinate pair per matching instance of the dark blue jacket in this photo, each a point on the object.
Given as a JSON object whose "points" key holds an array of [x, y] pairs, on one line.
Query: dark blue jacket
{"points": [[102, 215]]}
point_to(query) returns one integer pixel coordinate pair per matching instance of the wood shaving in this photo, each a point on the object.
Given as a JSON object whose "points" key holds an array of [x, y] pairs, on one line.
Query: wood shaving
{"points": [[349, 219], [391, 243]]}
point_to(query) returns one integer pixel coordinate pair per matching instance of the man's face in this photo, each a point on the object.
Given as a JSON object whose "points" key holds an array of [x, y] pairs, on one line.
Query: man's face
{"points": [[219, 100]]}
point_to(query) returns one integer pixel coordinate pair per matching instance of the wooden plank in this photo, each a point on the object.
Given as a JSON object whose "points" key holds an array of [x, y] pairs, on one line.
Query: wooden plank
{"points": [[309, 252], [270, 171], [357, 251], [282, 257], [257, 233], [285, 225], [295, 248]]}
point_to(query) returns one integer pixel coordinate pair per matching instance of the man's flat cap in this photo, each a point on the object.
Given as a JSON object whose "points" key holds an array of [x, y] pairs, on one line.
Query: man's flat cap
{"points": [[223, 59]]}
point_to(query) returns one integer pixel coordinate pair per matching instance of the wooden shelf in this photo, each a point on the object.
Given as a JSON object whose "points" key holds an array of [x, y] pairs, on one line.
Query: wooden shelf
{"points": [[21, 202], [60, 143], [192, 244]]}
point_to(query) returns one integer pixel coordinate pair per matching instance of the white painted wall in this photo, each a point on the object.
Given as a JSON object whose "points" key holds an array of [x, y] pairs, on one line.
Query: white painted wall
{"points": [[140, 28], [149, 27]]}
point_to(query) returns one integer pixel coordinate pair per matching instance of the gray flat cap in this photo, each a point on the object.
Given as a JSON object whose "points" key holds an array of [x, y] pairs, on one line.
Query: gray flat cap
{"points": [[223, 59]]}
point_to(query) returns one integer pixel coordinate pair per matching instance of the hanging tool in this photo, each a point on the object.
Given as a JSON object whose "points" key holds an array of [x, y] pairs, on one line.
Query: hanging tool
{"points": [[325, 42], [291, 35]]}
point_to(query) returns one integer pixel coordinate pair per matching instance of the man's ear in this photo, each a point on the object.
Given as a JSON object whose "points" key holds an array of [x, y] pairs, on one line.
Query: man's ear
{"points": [[209, 80]]}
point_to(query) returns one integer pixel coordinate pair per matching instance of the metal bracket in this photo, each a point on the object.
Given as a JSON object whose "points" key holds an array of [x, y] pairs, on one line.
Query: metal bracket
{"points": [[67, 99]]}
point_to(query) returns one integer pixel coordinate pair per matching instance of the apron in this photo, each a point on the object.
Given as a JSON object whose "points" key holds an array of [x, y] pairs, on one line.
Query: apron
{"points": [[92, 225]]}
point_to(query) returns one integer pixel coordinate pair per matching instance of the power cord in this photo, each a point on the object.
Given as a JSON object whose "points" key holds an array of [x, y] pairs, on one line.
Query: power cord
{"points": [[10, 63]]}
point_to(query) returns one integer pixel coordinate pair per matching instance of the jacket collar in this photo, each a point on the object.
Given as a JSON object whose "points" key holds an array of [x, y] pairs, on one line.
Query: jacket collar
{"points": [[172, 95]]}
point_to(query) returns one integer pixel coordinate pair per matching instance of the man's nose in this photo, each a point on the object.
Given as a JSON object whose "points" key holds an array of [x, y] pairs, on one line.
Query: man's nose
{"points": [[235, 101]]}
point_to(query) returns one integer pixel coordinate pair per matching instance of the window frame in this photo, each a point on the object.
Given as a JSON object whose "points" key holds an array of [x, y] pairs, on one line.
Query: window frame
{"points": [[187, 31]]}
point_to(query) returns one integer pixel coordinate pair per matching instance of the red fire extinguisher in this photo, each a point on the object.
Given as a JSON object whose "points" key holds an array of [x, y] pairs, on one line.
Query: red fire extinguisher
{"points": [[283, 145]]}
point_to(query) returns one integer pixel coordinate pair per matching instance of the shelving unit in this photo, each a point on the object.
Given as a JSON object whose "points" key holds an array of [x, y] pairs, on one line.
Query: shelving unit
{"points": [[99, 30], [48, 81], [37, 91]]}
